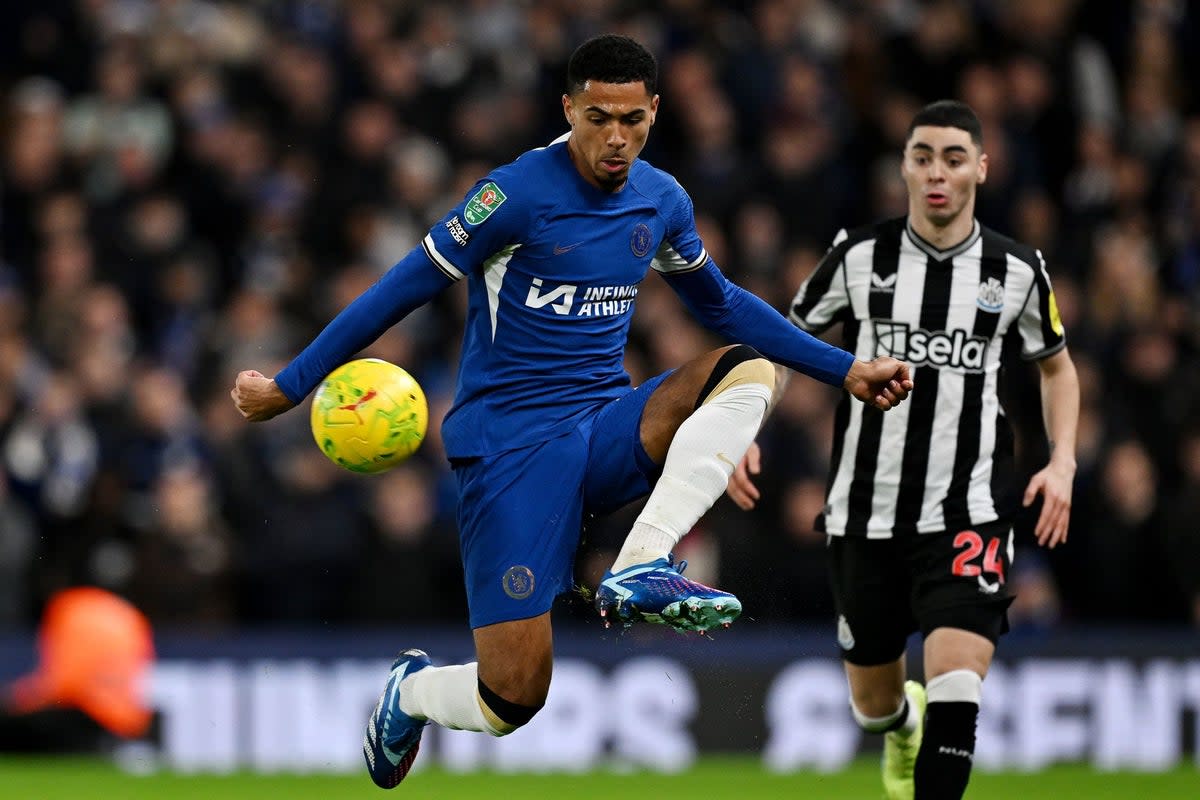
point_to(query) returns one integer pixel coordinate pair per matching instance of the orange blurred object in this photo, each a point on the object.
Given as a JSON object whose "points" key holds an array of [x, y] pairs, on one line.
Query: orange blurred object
{"points": [[95, 650]]}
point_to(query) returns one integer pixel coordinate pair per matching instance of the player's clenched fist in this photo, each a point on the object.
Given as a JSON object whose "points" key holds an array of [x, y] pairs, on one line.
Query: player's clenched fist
{"points": [[257, 397], [882, 383]]}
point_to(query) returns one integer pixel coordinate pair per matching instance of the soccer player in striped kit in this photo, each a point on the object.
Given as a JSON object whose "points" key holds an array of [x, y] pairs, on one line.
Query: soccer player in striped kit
{"points": [[920, 502]]}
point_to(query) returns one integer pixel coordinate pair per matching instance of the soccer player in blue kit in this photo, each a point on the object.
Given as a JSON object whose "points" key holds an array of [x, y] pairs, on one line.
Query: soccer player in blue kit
{"points": [[545, 426]]}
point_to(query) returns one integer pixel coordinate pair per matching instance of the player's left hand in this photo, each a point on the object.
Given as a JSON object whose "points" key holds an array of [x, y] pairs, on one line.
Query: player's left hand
{"points": [[741, 489], [882, 383], [1054, 483]]}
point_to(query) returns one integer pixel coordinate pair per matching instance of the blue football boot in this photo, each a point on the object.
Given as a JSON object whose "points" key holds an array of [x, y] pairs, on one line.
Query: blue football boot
{"points": [[657, 592], [393, 737]]}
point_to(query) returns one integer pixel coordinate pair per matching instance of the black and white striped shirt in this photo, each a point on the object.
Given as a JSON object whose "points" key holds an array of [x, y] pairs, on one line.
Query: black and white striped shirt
{"points": [[942, 460]]}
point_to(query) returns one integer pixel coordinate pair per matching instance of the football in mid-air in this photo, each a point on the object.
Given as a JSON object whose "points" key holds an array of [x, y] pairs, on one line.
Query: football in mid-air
{"points": [[368, 415]]}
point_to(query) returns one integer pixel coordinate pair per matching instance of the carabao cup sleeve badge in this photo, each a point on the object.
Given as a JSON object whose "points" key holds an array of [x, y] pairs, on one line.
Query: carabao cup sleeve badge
{"points": [[484, 203]]}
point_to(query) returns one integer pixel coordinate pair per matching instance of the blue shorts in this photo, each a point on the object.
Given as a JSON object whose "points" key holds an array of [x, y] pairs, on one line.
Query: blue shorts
{"points": [[520, 513]]}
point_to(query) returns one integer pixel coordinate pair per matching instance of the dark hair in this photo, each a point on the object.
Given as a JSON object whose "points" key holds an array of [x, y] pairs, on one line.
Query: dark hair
{"points": [[949, 114], [611, 58]]}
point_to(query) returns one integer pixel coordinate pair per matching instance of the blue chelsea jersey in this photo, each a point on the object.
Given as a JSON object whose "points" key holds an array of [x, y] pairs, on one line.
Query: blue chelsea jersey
{"points": [[553, 266]]}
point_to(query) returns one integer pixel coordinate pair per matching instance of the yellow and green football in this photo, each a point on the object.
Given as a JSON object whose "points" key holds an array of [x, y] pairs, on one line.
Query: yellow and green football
{"points": [[368, 415]]}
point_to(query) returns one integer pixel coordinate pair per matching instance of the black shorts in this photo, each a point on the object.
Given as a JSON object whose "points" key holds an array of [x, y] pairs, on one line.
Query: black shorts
{"points": [[886, 589]]}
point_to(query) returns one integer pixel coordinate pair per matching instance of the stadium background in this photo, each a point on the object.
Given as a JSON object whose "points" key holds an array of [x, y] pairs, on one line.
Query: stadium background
{"points": [[190, 188]]}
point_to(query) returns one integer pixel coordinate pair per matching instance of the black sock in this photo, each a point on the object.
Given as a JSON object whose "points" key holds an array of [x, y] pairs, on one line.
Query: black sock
{"points": [[947, 751]]}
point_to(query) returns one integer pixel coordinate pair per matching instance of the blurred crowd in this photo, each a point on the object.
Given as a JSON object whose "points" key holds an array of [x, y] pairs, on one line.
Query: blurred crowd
{"points": [[189, 188]]}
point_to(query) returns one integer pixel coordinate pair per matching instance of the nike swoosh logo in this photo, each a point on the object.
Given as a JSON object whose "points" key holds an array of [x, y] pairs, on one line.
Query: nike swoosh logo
{"points": [[559, 249]]}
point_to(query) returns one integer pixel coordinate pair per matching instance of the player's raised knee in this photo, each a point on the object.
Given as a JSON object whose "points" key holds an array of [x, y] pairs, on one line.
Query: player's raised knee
{"points": [[740, 365], [502, 717]]}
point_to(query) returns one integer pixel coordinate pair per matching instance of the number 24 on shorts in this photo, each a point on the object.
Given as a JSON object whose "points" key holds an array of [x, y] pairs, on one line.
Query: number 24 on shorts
{"points": [[971, 544]]}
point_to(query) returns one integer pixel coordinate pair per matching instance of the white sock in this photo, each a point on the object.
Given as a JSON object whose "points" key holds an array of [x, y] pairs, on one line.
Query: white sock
{"points": [[955, 686], [881, 724], [912, 721], [875, 724], [448, 696], [700, 460]]}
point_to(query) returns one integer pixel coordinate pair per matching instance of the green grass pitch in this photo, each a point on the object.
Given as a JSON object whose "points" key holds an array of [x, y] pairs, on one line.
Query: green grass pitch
{"points": [[712, 778]]}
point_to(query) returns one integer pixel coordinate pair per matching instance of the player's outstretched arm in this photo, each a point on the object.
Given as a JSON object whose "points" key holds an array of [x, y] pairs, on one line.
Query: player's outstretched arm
{"points": [[1060, 411], [406, 286], [258, 397], [882, 383], [742, 317]]}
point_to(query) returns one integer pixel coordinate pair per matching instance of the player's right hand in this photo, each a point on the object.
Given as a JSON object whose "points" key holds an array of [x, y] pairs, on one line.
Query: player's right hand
{"points": [[741, 489], [257, 397]]}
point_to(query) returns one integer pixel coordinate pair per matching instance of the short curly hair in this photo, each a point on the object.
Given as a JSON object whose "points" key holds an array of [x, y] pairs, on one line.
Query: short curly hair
{"points": [[611, 58]]}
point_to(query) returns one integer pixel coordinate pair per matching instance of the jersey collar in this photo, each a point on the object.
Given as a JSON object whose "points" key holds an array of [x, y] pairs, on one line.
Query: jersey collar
{"points": [[948, 253]]}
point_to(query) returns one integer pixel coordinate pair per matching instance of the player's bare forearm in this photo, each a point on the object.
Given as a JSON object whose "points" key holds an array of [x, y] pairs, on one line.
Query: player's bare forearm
{"points": [[1055, 482], [257, 397], [882, 383], [1060, 406]]}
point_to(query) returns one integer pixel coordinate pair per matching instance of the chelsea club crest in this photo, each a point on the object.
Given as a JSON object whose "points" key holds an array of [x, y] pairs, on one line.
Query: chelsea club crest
{"points": [[518, 582], [639, 242]]}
